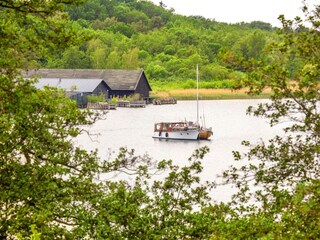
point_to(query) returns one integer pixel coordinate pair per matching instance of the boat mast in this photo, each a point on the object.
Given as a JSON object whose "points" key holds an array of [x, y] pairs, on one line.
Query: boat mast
{"points": [[197, 94]]}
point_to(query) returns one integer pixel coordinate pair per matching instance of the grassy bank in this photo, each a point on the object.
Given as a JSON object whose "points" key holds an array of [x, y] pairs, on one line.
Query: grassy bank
{"points": [[207, 94]]}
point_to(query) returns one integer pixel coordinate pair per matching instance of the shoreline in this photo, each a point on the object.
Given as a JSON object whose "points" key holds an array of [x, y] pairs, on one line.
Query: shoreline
{"points": [[209, 94]]}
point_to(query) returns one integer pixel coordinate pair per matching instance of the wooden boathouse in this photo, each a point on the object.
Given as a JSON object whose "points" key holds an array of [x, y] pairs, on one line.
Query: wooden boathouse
{"points": [[80, 83]]}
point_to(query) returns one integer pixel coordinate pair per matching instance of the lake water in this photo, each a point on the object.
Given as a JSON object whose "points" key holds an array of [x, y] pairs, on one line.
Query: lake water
{"points": [[133, 128]]}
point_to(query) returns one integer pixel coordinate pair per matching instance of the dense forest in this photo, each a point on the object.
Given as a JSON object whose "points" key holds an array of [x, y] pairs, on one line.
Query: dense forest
{"points": [[133, 34]]}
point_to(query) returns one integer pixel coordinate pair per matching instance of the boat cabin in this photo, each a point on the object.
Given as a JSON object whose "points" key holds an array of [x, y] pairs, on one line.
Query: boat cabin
{"points": [[175, 126]]}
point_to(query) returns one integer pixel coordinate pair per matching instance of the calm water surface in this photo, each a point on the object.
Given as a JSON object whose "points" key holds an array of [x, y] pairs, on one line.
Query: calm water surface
{"points": [[133, 128]]}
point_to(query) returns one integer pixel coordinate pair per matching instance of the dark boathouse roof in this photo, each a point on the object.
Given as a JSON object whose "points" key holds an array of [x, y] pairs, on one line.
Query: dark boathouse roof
{"points": [[115, 79]]}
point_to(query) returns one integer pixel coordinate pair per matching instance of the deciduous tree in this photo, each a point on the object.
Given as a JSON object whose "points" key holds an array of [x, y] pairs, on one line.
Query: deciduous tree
{"points": [[279, 180], [51, 188]]}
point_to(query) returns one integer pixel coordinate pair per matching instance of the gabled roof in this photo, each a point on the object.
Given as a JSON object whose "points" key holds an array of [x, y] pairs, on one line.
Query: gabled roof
{"points": [[70, 84], [115, 79], [122, 79]]}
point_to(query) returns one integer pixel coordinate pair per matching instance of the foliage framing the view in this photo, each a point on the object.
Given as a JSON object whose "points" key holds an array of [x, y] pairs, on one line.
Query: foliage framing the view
{"points": [[279, 181], [50, 188]]}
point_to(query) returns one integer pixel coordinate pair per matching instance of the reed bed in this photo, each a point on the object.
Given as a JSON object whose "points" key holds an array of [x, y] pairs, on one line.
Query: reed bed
{"points": [[208, 94]]}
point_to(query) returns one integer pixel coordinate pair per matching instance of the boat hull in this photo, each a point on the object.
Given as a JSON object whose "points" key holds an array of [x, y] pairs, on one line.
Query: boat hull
{"points": [[205, 134], [178, 135]]}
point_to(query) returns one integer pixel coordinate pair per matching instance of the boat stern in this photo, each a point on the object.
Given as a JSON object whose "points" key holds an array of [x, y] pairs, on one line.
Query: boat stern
{"points": [[205, 134]]}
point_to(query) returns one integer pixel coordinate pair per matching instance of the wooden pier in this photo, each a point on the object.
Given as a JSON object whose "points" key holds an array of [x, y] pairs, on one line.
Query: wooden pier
{"points": [[137, 104], [123, 103], [132, 104], [102, 106], [167, 100], [113, 106]]}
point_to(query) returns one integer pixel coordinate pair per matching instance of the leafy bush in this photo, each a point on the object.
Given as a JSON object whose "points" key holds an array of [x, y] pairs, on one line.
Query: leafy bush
{"points": [[114, 100], [96, 98], [189, 84], [135, 97], [217, 84]]}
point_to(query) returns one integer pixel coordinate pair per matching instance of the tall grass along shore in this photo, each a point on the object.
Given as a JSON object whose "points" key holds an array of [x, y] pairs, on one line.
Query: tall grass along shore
{"points": [[208, 94]]}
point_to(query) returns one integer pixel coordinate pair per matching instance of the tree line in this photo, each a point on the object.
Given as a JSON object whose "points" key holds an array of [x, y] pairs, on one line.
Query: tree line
{"points": [[140, 35]]}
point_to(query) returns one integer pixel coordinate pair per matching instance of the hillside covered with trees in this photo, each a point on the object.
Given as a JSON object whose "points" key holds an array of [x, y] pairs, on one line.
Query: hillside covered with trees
{"points": [[133, 34]]}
